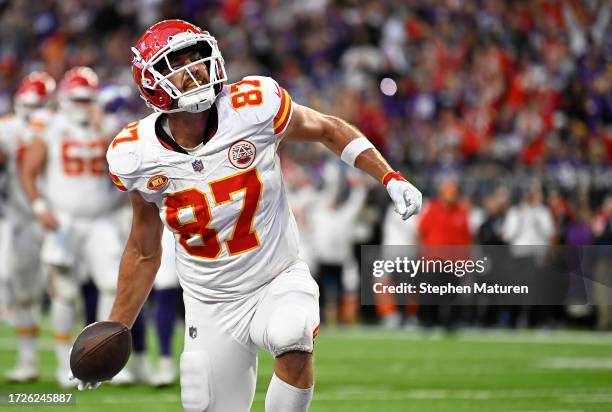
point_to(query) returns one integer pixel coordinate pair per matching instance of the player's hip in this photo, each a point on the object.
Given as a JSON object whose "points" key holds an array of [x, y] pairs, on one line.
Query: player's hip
{"points": [[234, 316]]}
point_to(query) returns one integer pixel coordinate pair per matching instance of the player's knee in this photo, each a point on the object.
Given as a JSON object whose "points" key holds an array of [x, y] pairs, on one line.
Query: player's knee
{"points": [[195, 381], [288, 330], [25, 299], [63, 286]]}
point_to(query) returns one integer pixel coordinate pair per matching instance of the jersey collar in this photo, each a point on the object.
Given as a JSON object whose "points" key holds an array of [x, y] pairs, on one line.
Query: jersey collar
{"points": [[169, 143]]}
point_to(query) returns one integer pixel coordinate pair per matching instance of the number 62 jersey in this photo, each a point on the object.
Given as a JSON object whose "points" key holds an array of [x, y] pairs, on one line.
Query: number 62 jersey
{"points": [[225, 201]]}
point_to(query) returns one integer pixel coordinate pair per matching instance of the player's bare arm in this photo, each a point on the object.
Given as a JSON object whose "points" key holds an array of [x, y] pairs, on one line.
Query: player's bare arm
{"points": [[309, 125], [140, 261], [353, 147], [32, 167]]}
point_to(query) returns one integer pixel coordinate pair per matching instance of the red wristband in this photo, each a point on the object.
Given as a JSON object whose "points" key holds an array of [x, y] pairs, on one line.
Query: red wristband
{"points": [[392, 175]]}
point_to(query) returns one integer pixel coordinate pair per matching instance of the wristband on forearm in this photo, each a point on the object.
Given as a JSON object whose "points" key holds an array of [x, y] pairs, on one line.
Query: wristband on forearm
{"points": [[390, 176], [355, 148], [39, 207]]}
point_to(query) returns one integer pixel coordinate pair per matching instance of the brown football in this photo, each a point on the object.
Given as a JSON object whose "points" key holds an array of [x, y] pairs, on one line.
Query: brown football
{"points": [[100, 351]]}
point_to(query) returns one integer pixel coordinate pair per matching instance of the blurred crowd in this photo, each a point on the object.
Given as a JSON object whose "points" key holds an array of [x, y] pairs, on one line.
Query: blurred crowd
{"points": [[511, 101]]}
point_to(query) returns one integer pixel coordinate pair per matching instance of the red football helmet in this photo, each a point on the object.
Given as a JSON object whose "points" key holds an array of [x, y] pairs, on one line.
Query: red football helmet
{"points": [[77, 93], [35, 89], [79, 83], [151, 58]]}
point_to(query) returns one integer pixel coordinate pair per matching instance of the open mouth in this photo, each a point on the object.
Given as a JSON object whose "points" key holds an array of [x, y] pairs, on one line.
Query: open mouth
{"points": [[191, 85]]}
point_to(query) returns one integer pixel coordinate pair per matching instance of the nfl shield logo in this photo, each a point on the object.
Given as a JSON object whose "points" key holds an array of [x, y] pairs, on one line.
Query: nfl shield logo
{"points": [[193, 332], [197, 165]]}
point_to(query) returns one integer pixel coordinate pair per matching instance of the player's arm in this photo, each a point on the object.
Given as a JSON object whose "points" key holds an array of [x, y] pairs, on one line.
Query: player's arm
{"points": [[354, 148], [140, 261], [33, 165]]}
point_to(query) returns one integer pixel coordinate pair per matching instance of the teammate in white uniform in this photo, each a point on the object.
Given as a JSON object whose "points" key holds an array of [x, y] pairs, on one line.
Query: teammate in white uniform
{"points": [[206, 166], [82, 238], [20, 251], [166, 294]]}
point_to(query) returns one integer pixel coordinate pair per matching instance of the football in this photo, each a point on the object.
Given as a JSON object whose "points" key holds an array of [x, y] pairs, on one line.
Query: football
{"points": [[100, 351]]}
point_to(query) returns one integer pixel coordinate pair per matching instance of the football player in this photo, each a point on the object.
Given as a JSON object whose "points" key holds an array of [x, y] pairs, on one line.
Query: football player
{"points": [[20, 253], [82, 238], [205, 165]]}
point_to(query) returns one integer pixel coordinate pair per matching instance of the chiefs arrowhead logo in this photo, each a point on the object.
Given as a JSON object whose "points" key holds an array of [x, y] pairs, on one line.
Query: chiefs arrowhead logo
{"points": [[242, 154], [157, 182]]}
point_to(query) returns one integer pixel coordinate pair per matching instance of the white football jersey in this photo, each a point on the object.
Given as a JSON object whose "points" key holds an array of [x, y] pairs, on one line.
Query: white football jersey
{"points": [[76, 173], [15, 134], [225, 202]]}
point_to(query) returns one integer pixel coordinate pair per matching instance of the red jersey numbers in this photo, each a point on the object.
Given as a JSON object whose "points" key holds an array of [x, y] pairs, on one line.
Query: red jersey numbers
{"points": [[246, 93], [188, 213], [80, 158], [243, 237], [129, 134]]}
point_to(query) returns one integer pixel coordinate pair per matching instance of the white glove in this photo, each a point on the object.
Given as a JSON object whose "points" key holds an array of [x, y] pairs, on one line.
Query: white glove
{"points": [[408, 199], [82, 386]]}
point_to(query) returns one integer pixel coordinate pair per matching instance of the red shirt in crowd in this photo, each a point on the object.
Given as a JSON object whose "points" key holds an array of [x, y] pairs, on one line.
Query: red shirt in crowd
{"points": [[445, 224]]}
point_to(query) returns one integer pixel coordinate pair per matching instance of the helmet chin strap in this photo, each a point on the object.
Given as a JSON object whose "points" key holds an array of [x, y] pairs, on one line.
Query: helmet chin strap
{"points": [[197, 102]]}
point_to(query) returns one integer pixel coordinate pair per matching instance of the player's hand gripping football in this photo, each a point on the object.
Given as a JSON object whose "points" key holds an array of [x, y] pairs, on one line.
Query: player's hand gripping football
{"points": [[408, 199], [99, 352], [83, 386]]}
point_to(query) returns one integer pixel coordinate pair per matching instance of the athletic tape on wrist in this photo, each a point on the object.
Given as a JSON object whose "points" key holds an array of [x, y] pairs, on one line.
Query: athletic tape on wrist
{"points": [[390, 176], [39, 206], [354, 149]]}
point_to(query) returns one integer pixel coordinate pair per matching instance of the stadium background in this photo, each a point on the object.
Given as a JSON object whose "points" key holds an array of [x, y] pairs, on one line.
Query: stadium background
{"points": [[484, 94]]}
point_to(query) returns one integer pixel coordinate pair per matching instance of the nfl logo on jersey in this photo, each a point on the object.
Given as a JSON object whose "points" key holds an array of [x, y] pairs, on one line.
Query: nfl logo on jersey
{"points": [[197, 165], [193, 332]]}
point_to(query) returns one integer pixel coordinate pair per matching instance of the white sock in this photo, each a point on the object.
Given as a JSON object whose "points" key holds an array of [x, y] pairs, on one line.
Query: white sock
{"points": [[26, 319], [27, 350], [282, 397], [139, 360], [105, 304], [62, 319]]}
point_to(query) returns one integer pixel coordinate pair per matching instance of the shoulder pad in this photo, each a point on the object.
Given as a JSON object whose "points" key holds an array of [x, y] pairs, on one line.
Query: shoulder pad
{"points": [[124, 154]]}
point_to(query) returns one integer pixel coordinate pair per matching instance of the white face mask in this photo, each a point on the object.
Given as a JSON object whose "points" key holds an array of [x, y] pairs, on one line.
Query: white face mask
{"points": [[197, 102], [76, 112], [26, 104], [24, 111]]}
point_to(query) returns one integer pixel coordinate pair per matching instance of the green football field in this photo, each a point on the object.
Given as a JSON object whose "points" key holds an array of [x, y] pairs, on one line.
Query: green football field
{"points": [[372, 370]]}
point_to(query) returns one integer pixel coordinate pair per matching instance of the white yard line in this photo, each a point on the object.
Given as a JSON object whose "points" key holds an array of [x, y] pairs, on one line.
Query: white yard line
{"points": [[496, 336], [576, 363]]}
